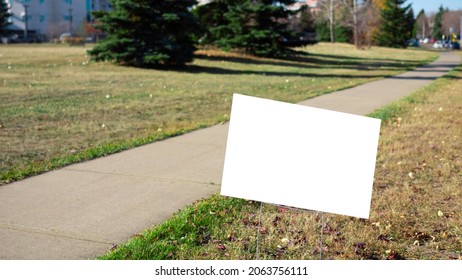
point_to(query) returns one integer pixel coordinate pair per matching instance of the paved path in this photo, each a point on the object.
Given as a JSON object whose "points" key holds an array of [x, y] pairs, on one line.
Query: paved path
{"points": [[80, 211]]}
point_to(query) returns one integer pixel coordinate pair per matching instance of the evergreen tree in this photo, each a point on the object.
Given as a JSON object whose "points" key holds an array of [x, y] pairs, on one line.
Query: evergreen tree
{"points": [[437, 32], [302, 22], [342, 34], [257, 27], [410, 20], [147, 32], [419, 25], [210, 16], [4, 15], [395, 24]]}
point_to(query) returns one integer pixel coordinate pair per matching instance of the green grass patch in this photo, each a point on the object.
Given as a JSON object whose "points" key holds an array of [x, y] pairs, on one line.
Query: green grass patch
{"points": [[415, 213], [191, 228], [59, 108]]}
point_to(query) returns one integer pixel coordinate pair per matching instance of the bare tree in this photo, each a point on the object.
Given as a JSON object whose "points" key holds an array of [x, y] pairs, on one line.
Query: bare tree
{"points": [[372, 21], [328, 8], [356, 17], [451, 22], [423, 25]]}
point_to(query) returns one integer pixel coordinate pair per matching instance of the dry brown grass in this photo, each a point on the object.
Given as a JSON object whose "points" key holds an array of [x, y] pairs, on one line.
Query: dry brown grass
{"points": [[57, 107], [416, 210], [416, 207]]}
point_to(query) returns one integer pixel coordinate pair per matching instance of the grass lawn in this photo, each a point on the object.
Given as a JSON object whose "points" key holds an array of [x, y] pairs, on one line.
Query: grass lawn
{"points": [[416, 211], [58, 108]]}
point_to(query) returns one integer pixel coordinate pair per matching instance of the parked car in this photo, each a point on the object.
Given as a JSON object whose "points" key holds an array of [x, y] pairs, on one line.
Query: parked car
{"points": [[438, 45], [64, 36], [455, 46], [446, 44], [412, 43]]}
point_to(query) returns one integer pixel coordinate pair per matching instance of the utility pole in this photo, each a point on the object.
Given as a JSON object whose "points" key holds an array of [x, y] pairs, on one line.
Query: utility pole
{"points": [[70, 21], [423, 29], [331, 20], [355, 24], [25, 21]]}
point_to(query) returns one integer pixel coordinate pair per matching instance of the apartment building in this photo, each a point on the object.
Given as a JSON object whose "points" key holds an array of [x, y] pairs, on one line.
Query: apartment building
{"points": [[48, 19], [312, 4]]}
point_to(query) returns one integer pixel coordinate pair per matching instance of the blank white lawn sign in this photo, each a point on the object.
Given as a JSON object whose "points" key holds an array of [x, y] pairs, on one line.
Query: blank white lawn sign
{"points": [[300, 156]]}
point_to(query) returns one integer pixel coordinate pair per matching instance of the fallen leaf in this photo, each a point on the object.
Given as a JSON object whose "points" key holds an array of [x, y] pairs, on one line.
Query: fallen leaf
{"points": [[376, 224], [285, 240], [231, 237], [359, 247], [383, 238]]}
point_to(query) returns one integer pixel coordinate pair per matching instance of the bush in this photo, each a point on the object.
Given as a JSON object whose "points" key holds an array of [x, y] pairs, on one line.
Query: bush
{"points": [[74, 41]]}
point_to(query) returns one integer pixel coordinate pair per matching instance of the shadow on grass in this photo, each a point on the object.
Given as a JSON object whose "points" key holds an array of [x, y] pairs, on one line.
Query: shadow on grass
{"points": [[316, 61], [194, 69], [330, 56], [412, 78], [304, 61], [452, 77]]}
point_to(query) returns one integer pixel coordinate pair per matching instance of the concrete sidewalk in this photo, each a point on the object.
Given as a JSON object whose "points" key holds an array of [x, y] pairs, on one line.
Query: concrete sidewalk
{"points": [[82, 210]]}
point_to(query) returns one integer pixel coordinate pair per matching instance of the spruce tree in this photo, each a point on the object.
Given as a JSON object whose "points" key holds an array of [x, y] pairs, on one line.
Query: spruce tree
{"points": [[419, 21], [410, 20], [210, 16], [342, 34], [4, 15], [396, 26], [257, 27], [147, 33]]}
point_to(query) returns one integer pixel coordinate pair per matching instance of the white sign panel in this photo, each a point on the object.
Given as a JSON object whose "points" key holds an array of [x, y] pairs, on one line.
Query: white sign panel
{"points": [[300, 156]]}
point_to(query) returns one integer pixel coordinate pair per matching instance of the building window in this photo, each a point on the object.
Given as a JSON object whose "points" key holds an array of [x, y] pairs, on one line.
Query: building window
{"points": [[68, 2], [66, 18], [42, 1], [42, 18]]}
